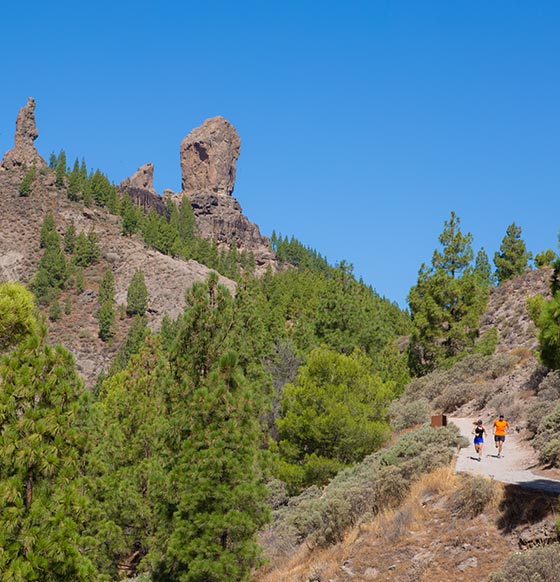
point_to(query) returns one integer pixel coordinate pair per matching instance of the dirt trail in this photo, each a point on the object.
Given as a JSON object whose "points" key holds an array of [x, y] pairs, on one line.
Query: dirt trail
{"points": [[515, 466]]}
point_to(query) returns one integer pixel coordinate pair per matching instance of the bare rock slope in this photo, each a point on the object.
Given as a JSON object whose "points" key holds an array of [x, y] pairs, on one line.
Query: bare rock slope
{"points": [[167, 278]]}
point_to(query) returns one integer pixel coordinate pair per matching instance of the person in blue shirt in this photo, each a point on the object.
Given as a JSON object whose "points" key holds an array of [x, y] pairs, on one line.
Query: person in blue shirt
{"points": [[479, 433]]}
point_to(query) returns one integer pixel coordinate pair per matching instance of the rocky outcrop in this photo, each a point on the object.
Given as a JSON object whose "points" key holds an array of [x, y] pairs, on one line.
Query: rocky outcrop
{"points": [[140, 189], [208, 162], [24, 154], [208, 157], [507, 309], [142, 179]]}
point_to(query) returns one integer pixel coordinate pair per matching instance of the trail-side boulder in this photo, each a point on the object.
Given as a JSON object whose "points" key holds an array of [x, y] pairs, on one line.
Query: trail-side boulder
{"points": [[24, 154]]}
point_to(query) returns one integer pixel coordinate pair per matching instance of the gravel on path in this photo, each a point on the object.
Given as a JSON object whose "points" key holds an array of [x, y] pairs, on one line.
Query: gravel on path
{"points": [[514, 466]]}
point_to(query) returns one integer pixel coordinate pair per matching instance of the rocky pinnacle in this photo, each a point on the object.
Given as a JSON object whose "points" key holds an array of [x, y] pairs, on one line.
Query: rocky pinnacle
{"points": [[24, 153], [208, 157]]}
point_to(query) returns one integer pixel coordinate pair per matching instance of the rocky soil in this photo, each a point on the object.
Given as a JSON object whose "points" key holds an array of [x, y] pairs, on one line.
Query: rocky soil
{"points": [[167, 278]]}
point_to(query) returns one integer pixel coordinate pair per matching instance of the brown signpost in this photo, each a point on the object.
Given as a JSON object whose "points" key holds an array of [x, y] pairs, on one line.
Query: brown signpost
{"points": [[439, 420]]}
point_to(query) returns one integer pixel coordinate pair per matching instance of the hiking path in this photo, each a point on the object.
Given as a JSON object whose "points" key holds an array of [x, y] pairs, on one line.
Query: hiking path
{"points": [[517, 465]]}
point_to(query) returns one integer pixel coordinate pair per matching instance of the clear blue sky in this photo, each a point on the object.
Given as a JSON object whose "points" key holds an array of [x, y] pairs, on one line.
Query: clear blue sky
{"points": [[363, 123]]}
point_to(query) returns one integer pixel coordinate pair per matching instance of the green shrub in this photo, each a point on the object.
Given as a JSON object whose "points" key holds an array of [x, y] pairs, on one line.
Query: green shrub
{"points": [[472, 498], [380, 481], [549, 388], [409, 414], [447, 389], [27, 182], [547, 439], [453, 397], [550, 453], [540, 564], [535, 415]]}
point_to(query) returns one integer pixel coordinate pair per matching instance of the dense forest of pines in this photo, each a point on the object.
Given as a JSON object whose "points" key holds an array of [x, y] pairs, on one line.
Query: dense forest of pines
{"points": [[162, 469]]}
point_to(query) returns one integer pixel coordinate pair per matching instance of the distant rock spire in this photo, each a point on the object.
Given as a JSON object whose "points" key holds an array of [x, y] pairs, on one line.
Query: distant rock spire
{"points": [[24, 153], [208, 157], [142, 179]]}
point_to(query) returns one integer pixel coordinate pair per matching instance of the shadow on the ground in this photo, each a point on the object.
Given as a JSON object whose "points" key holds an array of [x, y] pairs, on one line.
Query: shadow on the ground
{"points": [[526, 505]]}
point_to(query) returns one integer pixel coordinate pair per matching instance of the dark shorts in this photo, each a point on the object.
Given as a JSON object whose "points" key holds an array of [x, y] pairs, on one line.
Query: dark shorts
{"points": [[499, 438], [478, 440]]}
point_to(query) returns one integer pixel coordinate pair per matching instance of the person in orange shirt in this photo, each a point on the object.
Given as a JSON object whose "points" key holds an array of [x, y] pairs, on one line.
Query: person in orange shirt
{"points": [[499, 430]]}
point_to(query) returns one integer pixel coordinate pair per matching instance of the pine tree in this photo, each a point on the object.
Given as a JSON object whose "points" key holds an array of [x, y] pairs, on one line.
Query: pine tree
{"points": [[43, 505], [130, 216], [17, 314], [113, 202], [130, 452], [513, 258], [75, 182], [55, 310], [48, 230], [86, 249], [100, 188], [61, 169], [446, 303], [85, 184], [70, 238], [52, 272], [150, 228], [457, 250], [483, 269], [27, 182], [80, 281], [137, 295], [217, 496], [135, 340], [545, 258], [106, 314], [204, 330]]}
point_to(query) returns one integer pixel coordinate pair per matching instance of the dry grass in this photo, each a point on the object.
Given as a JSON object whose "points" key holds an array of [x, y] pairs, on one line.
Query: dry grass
{"points": [[420, 540]]}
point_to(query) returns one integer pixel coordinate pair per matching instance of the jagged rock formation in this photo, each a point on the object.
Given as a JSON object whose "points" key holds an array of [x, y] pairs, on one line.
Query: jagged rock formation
{"points": [[140, 189], [24, 153], [208, 161], [143, 179]]}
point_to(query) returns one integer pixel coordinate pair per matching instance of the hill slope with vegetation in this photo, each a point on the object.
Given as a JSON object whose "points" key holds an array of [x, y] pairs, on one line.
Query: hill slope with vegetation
{"points": [[166, 414]]}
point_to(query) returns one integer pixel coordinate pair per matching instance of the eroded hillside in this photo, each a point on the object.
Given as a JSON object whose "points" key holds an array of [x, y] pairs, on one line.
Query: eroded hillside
{"points": [[166, 278]]}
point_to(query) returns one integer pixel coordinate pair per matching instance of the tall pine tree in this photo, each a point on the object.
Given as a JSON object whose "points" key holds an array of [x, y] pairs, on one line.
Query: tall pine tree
{"points": [[446, 303], [513, 258], [43, 504]]}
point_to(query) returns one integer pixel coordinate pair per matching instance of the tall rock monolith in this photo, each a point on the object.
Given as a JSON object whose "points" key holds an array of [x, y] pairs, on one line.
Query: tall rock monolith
{"points": [[208, 164], [24, 154]]}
